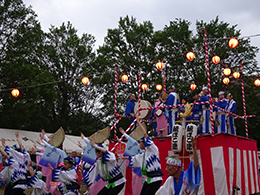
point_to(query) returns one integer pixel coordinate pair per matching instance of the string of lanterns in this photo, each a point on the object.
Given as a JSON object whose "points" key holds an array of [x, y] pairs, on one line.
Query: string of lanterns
{"points": [[233, 43], [15, 92]]}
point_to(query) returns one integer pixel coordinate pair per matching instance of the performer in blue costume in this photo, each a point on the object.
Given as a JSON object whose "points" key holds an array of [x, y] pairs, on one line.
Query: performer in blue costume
{"points": [[173, 99], [130, 105], [180, 182], [205, 117], [220, 119], [197, 111], [129, 110], [75, 158], [149, 163], [152, 118], [231, 107]]}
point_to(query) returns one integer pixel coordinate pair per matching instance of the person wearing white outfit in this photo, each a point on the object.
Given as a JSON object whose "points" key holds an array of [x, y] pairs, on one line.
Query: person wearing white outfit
{"points": [[180, 182]]}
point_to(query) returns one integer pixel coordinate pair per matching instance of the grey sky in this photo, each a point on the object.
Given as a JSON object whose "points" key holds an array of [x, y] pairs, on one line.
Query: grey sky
{"points": [[95, 17]]}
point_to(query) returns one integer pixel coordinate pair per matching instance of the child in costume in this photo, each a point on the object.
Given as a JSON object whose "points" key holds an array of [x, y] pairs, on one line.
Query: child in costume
{"points": [[68, 176]]}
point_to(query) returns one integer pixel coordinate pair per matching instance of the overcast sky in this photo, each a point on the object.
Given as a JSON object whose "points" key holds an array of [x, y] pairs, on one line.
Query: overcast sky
{"points": [[96, 16]]}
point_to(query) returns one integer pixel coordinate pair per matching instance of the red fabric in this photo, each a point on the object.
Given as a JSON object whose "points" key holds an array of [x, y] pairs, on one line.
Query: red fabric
{"points": [[227, 141], [128, 187], [204, 145], [164, 145]]}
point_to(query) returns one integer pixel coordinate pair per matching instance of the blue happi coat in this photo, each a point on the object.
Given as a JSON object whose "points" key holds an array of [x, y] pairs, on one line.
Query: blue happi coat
{"points": [[231, 107]]}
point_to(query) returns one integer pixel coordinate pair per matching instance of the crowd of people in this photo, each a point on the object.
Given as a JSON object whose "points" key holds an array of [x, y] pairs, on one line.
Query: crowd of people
{"points": [[48, 170], [66, 174], [198, 114]]}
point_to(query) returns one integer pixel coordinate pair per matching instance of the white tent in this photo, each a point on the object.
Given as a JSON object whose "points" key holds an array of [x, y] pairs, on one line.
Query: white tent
{"points": [[29, 138]]}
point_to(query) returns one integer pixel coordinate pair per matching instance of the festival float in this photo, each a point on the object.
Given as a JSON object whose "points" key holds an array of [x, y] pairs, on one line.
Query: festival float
{"points": [[229, 163]]}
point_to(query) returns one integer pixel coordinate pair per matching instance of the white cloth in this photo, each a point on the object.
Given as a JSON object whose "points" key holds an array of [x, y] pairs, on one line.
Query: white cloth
{"points": [[13, 173], [67, 177], [39, 186], [107, 167]]}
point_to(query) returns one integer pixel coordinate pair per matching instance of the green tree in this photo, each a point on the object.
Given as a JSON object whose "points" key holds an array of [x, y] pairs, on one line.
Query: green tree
{"points": [[132, 47], [20, 49], [32, 58], [68, 58]]}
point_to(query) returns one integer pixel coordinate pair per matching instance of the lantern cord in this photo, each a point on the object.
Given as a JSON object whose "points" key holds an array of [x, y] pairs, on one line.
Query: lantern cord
{"points": [[227, 38], [38, 85]]}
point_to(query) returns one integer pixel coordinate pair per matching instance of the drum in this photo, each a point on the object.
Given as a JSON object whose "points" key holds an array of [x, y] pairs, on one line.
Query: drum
{"points": [[165, 95], [144, 114]]}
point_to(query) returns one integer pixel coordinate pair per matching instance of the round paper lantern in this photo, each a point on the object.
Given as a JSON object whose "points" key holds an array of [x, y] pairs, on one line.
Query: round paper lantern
{"points": [[227, 71], [144, 87], [233, 43], [15, 92], [159, 65], [216, 59], [124, 78], [236, 75], [257, 82], [159, 87], [85, 80], [190, 56], [226, 80], [193, 86]]}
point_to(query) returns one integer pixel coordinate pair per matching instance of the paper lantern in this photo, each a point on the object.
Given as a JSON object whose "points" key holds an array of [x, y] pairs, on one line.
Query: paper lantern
{"points": [[144, 87], [193, 86], [227, 71], [190, 56], [257, 82], [159, 65], [159, 87], [226, 80], [15, 92], [85, 80], [124, 78], [216, 59], [236, 75], [233, 43]]}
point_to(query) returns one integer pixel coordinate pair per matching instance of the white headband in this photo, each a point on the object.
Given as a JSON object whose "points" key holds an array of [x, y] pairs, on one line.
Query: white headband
{"points": [[173, 161]]}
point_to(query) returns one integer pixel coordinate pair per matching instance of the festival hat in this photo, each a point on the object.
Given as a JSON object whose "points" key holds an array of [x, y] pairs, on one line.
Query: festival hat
{"points": [[137, 134], [57, 138], [100, 136]]}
